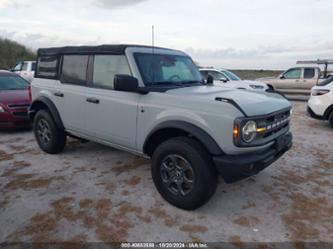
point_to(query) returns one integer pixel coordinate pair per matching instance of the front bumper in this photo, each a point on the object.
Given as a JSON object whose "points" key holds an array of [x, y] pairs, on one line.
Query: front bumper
{"points": [[9, 121], [238, 167], [314, 115]]}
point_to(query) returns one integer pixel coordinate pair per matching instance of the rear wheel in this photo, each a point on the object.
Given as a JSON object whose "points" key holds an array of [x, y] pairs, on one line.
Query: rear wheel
{"points": [[49, 136], [183, 173], [330, 119]]}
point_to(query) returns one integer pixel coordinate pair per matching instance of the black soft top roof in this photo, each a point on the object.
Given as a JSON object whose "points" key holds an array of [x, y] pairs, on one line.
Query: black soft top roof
{"points": [[102, 49]]}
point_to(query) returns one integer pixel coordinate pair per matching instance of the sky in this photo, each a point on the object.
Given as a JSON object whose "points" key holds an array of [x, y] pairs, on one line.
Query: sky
{"points": [[234, 34]]}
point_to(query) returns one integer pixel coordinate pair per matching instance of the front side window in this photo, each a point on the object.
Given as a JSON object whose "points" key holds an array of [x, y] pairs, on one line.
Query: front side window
{"points": [[231, 76], [47, 67], [293, 74], [163, 69], [13, 83], [74, 69], [217, 75], [106, 67], [25, 66], [309, 73]]}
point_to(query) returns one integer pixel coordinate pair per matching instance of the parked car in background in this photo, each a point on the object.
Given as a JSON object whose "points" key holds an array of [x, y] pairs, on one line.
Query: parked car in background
{"points": [[320, 104], [299, 79], [14, 101], [226, 78], [25, 69], [156, 105]]}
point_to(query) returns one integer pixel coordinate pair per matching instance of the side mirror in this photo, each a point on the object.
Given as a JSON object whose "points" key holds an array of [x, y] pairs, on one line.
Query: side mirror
{"points": [[225, 80], [125, 83], [210, 80], [282, 77]]}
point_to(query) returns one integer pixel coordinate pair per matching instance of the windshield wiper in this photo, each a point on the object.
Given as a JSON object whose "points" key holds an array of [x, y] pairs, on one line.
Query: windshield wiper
{"points": [[190, 82], [159, 83], [176, 83]]}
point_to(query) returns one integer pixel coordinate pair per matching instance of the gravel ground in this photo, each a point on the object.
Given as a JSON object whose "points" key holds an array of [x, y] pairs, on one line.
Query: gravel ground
{"points": [[95, 193]]}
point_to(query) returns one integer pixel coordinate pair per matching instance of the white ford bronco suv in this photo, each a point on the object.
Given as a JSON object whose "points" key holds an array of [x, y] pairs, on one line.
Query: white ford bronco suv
{"points": [[152, 102]]}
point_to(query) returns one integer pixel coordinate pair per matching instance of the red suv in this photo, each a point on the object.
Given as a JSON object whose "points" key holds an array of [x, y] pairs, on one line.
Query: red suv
{"points": [[15, 99]]}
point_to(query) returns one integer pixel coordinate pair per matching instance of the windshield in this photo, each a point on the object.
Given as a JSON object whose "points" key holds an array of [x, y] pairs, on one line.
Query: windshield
{"points": [[231, 75], [163, 69], [18, 66], [13, 83]]}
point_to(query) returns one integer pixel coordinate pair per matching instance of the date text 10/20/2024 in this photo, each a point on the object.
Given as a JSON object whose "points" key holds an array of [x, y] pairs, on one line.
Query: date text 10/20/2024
{"points": [[164, 245]]}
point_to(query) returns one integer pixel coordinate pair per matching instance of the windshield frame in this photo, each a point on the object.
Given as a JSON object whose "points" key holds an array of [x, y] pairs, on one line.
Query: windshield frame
{"points": [[167, 83]]}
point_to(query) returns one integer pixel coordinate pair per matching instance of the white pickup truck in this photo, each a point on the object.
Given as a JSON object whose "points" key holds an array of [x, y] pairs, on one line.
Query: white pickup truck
{"points": [[26, 69]]}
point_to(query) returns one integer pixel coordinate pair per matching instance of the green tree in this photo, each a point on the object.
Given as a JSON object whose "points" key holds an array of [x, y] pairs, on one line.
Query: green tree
{"points": [[11, 52]]}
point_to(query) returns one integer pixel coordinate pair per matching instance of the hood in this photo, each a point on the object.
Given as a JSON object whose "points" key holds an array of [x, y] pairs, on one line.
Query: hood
{"points": [[14, 96], [252, 82], [252, 103], [265, 78], [239, 83]]}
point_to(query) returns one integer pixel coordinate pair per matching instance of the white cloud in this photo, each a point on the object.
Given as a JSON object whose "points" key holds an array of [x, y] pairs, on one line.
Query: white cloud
{"points": [[227, 33], [17, 4], [115, 4]]}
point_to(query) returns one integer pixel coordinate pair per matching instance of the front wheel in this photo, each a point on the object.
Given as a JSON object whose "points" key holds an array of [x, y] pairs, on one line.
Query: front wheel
{"points": [[49, 136], [183, 173]]}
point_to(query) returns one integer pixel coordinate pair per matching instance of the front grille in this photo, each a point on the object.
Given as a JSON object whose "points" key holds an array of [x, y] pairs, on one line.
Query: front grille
{"points": [[274, 123], [18, 106]]}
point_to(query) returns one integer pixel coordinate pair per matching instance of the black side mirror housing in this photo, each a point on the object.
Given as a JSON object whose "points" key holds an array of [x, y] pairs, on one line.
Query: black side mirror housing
{"points": [[125, 83], [282, 77], [210, 80], [225, 80]]}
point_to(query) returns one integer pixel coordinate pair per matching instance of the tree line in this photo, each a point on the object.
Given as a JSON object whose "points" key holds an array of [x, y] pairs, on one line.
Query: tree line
{"points": [[11, 52]]}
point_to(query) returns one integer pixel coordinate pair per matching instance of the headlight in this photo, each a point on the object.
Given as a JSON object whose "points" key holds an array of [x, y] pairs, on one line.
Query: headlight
{"points": [[249, 131], [256, 86], [1, 109]]}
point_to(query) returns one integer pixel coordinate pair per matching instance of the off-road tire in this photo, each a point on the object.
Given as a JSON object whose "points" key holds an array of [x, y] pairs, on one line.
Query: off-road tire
{"points": [[330, 119], [57, 136], [205, 175]]}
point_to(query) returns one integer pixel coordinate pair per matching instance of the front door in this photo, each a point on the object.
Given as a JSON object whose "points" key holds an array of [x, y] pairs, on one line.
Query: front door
{"points": [[111, 115], [291, 79]]}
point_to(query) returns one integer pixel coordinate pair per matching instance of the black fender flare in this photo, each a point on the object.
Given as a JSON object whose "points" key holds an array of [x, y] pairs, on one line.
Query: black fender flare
{"points": [[198, 133], [45, 101]]}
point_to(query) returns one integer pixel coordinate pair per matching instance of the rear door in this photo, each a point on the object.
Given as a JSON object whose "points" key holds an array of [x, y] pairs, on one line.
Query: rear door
{"points": [[310, 77], [291, 79], [71, 92], [111, 115]]}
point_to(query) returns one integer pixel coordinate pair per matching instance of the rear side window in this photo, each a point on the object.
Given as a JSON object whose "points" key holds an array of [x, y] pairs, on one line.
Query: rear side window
{"points": [[106, 67], [309, 73], [47, 67], [74, 69], [33, 66]]}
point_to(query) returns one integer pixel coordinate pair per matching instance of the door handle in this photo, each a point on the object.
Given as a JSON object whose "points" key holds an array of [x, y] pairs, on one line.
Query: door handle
{"points": [[59, 94], [93, 100]]}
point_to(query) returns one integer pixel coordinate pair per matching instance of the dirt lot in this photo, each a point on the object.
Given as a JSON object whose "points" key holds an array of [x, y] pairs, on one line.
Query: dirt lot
{"points": [[95, 193]]}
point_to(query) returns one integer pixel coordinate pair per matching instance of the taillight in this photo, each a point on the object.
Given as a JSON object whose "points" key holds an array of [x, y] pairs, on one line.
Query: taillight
{"points": [[29, 91], [319, 92]]}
